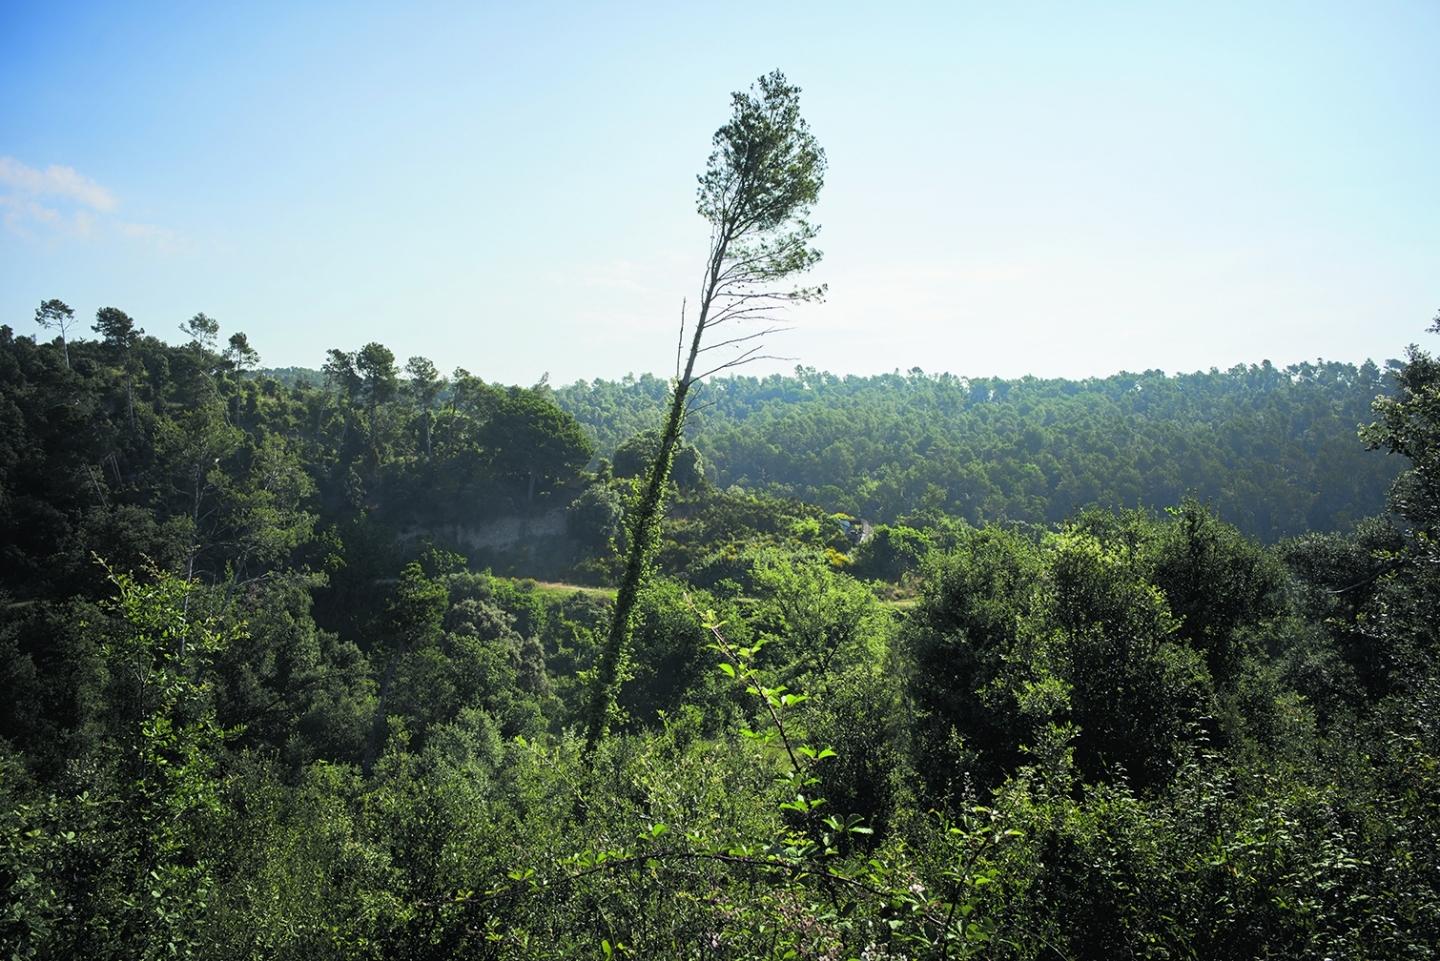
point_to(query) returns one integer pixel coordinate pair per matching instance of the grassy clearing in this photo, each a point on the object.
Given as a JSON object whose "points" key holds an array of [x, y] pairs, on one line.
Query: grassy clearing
{"points": [[558, 590]]}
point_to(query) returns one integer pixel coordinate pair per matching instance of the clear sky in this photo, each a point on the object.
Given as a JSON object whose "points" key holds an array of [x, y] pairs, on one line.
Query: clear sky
{"points": [[1061, 189]]}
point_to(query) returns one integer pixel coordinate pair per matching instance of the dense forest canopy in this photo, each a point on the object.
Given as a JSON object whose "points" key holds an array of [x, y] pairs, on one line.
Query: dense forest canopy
{"points": [[930, 667], [1272, 449]]}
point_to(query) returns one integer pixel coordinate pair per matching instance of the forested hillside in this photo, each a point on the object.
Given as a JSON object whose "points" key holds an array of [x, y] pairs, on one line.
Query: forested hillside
{"points": [[268, 694], [1273, 449]]}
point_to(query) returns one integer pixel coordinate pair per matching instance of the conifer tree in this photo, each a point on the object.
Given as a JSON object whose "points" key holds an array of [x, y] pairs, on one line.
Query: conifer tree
{"points": [[761, 181]]}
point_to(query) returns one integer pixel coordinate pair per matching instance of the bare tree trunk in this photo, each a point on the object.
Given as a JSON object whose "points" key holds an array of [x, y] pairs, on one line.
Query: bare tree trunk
{"points": [[98, 492]]}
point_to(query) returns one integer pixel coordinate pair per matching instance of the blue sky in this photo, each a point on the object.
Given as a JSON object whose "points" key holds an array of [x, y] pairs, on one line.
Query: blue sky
{"points": [[1056, 189]]}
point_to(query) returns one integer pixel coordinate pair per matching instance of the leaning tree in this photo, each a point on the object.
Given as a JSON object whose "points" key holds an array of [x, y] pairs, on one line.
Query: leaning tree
{"points": [[759, 185]]}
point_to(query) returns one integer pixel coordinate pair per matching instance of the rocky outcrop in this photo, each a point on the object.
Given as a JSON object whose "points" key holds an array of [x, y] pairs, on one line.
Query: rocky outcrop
{"points": [[502, 534]]}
